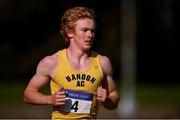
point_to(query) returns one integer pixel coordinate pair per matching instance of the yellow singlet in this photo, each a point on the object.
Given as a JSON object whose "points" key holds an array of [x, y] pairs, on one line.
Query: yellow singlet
{"points": [[86, 81]]}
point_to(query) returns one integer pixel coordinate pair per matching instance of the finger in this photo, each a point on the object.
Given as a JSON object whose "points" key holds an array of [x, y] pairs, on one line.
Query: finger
{"points": [[98, 95], [99, 88], [99, 99], [60, 96], [61, 89], [60, 102], [61, 93]]}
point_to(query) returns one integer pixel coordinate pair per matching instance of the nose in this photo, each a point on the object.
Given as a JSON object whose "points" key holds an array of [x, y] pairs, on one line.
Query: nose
{"points": [[90, 33]]}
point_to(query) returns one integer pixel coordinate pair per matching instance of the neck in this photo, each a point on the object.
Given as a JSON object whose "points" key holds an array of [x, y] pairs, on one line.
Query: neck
{"points": [[78, 59], [77, 53]]}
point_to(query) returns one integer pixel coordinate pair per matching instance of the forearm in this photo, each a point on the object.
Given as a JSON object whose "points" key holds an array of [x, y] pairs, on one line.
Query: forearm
{"points": [[111, 102], [35, 97]]}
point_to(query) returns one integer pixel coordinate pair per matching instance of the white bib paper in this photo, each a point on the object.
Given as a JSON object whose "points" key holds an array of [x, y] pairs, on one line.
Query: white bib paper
{"points": [[77, 102]]}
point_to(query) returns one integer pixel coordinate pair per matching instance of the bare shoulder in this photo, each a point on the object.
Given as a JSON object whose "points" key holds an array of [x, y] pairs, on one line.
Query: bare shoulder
{"points": [[106, 64], [47, 64]]}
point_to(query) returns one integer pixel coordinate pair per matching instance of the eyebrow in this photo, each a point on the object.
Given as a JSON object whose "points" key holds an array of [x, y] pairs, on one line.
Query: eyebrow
{"points": [[85, 28]]}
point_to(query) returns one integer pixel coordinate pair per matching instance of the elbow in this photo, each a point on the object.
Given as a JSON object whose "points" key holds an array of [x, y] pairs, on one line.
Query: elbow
{"points": [[25, 97]]}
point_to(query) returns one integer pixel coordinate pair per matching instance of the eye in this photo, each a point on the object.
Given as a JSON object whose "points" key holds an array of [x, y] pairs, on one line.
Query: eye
{"points": [[92, 31], [84, 30]]}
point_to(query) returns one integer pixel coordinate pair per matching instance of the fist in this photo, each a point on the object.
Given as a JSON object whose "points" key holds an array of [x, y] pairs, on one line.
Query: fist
{"points": [[101, 94], [58, 98]]}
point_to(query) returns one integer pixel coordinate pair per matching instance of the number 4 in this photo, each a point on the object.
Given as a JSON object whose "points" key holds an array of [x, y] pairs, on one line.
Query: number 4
{"points": [[75, 106]]}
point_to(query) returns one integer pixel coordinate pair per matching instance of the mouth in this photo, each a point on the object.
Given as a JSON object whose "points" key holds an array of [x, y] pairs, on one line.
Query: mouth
{"points": [[88, 41]]}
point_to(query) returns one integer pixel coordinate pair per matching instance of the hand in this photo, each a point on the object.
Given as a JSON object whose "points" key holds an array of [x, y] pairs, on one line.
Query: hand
{"points": [[101, 94], [58, 98]]}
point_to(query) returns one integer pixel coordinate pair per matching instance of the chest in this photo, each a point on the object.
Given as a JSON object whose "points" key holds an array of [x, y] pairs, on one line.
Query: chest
{"points": [[80, 65], [87, 81]]}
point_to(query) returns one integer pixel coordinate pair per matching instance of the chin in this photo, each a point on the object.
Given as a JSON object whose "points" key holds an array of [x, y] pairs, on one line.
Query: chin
{"points": [[87, 48]]}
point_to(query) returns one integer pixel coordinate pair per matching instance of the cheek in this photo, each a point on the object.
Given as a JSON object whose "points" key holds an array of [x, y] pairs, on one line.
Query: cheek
{"points": [[81, 35]]}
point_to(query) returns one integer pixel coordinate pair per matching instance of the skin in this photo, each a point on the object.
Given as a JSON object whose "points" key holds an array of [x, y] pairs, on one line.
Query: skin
{"points": [[81, 41]]}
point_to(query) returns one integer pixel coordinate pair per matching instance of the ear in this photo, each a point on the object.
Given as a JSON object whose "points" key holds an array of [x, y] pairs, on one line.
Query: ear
{"points": [[70, 34]]}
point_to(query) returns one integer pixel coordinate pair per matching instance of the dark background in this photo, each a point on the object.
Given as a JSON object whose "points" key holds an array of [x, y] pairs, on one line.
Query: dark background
{"points": [[29, 31], [158, 41]]}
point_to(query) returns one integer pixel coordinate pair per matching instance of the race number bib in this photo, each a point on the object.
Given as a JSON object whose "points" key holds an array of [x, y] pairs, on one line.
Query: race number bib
{"points": [[77, 102]]}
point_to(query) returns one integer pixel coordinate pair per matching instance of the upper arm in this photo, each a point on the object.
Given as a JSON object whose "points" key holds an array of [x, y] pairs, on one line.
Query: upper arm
{"points": [[108, 81], [43, 73]]}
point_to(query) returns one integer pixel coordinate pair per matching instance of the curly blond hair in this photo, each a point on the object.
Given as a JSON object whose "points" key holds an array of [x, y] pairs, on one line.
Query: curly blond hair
{"points": [[70, 17]]}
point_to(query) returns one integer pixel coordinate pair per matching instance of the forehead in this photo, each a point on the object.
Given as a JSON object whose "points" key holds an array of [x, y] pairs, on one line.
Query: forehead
{"points": [[85, 22]]}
